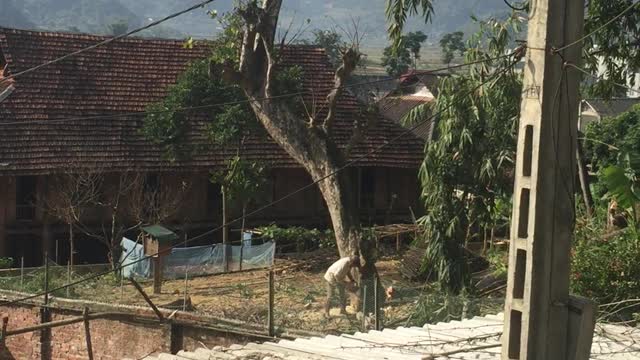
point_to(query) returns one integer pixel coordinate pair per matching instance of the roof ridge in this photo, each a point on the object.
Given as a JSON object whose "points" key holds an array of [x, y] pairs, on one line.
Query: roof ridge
{"points": [[80, 36], [100, 37]]}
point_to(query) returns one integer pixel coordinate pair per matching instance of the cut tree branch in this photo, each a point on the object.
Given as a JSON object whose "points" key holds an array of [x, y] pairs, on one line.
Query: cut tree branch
{"points": [[350, 59]]}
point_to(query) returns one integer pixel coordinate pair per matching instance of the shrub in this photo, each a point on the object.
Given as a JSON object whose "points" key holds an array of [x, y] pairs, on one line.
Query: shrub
{"points": [[6, 262], [611, 136], [299, 238], [607, 270]]}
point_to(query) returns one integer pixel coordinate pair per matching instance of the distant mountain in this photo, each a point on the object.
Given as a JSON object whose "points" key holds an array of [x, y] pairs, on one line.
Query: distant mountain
{"points": [[87, 16], [96, 15], [12, 16]]}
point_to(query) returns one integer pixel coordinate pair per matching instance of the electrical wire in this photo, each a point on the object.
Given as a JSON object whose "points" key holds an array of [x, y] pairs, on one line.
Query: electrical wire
{"points": [[629, 8], [601, 78], [202, 107], [107, 41], [522, 8], [496, 75]]}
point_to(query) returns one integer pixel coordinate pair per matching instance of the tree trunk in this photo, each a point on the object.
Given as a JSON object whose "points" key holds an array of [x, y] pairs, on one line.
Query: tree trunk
{"points": [[308, 141], [242, 227], [225, 230], [584, 179], [71, 246], [113, 243]]}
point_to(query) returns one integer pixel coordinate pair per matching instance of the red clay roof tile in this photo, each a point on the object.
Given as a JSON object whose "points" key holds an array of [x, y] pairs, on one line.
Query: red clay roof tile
{"points": [[125, 77]]}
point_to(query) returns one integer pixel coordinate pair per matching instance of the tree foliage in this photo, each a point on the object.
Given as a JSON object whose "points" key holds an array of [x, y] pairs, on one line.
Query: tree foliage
{"points": [[242, 179], [467, 170], [398, 60], [613, 50], [450, 44], [453, 204], [331, 42], [606, 139], [119, 27]]}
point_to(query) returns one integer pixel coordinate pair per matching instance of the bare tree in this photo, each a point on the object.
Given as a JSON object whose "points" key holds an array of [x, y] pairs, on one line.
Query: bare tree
{"points": [[154, 203], [130, 202], [115, 201], [70, 195], [310, 142]]}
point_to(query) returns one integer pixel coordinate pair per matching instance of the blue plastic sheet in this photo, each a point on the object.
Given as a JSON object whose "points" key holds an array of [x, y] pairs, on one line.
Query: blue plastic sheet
{"points": [[132, 260], [200, 260]]}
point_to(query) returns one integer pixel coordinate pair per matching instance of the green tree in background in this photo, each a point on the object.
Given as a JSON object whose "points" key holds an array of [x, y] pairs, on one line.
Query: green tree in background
{"points": [[606, 139], [450, 44], [332, 43], [398, 60], [117, 28], [414, 41], [467, 170], [613, 49], [462, 160]]}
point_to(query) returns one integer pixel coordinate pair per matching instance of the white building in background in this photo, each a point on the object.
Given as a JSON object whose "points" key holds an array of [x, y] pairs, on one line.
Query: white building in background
{"points": [[596, 109]]}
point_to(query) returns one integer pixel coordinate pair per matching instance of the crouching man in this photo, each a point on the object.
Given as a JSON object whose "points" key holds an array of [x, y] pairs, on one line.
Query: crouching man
{"points": [[338, 276]]}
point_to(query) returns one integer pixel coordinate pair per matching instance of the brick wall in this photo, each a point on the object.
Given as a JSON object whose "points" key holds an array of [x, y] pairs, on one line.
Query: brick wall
{"points": [[111, 338]]}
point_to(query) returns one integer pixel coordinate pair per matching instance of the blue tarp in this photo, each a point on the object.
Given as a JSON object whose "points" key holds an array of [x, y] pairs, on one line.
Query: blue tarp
{"points": [[200, 260]]}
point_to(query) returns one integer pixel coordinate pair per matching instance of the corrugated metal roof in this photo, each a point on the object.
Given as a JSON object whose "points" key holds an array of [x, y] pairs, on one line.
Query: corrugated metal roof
{"points": [[477, 338]]}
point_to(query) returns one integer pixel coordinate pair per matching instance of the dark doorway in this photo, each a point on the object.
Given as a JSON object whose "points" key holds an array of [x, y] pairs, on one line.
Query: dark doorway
{"points": [[26, 187]]}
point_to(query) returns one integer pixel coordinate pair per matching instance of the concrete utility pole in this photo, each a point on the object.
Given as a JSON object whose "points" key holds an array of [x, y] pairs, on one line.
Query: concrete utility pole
{"points": [[541, 321]]}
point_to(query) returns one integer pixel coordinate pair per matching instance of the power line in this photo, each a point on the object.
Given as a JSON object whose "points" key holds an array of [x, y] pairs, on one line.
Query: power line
{"points": [[602, 78], [513, 7], [304, 188], [202, 107], [107, 41], [629, 8]]}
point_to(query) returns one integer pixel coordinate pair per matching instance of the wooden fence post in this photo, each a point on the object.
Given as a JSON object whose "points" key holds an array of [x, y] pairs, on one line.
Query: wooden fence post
{"points": [[68, 277], [45, 315], [364, 308], [46, 278], [3, 330], [241, 251], [147, 299], [87, 333], [186, 289], [271, 305], [375, 303]]}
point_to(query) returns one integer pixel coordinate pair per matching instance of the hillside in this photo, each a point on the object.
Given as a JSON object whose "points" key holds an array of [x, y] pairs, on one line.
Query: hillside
{"points": [[95, 16], [12, 16]]}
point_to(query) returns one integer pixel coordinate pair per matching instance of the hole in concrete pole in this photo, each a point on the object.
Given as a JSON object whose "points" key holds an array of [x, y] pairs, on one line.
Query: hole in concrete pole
{"points": [[528, 150], [521, 266], [523, 214], [514, 334]]}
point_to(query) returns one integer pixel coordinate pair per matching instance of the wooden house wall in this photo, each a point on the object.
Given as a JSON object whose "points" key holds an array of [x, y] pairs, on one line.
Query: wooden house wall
{"points": [[196, 211]]}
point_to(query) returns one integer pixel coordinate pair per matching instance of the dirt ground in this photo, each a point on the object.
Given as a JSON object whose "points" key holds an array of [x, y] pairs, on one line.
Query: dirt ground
{"points": [[299, 294]]}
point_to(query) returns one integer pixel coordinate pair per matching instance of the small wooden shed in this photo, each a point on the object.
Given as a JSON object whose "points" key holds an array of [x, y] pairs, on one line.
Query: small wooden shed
{"points": [[157, 241]]}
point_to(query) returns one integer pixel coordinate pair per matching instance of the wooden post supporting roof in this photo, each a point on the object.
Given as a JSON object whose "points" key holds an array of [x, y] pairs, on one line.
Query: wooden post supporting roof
{"points": [[536, 309]]}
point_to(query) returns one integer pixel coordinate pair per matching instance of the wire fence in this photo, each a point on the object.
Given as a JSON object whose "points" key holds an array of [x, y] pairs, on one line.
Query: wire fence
{"points": [[286, 298], [289, 296]]}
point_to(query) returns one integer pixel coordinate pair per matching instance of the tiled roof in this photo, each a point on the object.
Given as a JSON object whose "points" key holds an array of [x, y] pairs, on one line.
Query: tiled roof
{"points": [[612, 107], [477, 338], [124, 77], [395, 108]]}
